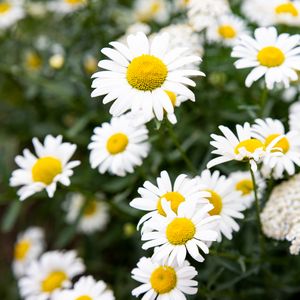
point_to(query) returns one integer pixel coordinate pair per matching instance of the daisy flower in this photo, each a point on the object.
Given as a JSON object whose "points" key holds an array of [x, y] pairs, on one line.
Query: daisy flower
{"points": [[184, 189], [119, 146], [286, 12], [242, 147], [227, 29], [164, 281], [29, 246], [43, 171], [11, 11], [86, 288], [294, 116], [272, 133], [176, 234], [64, 7], [226, 202], [137, 75], [182, 4], [276, 57], [94, 216], [242, 183], [52, 272]]}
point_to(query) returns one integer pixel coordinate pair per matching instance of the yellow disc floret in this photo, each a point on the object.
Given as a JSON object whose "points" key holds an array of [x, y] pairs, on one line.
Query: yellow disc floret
{"points": [[174, 197], [271, 57], [251, 145], [75, 2], [45, 169], [180, 231], [227, 31], [163, 279], [172, 97], [33, 61], [287, 8], [53, 281], [90, 209], [146, 73], [4, 7], [21, 249], [245, 186], [282, 145], [84, 297], [117, 143], [216, 200]]}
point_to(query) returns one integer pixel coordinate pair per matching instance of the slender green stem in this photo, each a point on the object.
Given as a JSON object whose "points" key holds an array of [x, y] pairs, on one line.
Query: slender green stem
{"points": [[258, 220], [180, 149], [263, 99]]}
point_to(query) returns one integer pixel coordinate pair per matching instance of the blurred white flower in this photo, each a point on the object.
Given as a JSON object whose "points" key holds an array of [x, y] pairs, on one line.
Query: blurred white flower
{"points": [[64, 7], [11, 11]]}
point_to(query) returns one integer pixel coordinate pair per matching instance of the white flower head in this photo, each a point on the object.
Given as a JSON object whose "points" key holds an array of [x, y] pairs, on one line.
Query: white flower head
{"points": [[64, 7], [119, 146], [29, 246], [164, 280], [294, 117], [137, 76], [272, 56], [11, 11], [43, 171]]}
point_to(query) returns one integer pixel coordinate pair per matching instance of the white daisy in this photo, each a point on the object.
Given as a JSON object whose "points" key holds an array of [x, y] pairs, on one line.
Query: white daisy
{"points": [[242, 183], [11, 11], [176, 234], [52, 272], [276, 57], [242, 147], [119, 146], [272, 132], [94, 216], [29, 245], [183, 190], [226, 202], [226, 29], [64, 7], [164, 281], [181, 4], [286, 12], [86, 288], [136, 76], [294, 117], [44, 171]]}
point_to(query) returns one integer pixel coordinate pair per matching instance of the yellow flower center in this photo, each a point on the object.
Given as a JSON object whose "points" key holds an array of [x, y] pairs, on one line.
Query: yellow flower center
{"points": [[33, 61], [117, 143], [227, 31], [90, 209], [172, 97], [155, 7], [146, 73], [4, 7], [163, 280], [250, 145], [84, 297], [21, 249], [180, 231], [53, 281], [45, 169], [287, 8], [174, 197], [90, 65], [282, 145], [271, 57], [245, 186], [75, 2], [216, 200]]}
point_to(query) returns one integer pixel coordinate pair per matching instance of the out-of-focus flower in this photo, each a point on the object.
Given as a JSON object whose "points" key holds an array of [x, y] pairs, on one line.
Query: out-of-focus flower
{"points": [[56, 61], [33, 61], [90, 64], [64, 7], [294, 117], [36, 9], [11, 11]]}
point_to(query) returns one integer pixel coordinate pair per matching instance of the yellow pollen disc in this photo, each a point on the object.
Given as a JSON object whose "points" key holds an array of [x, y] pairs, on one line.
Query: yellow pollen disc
{"points": [[155, 7], [227, 32], [21, 249], [53, 281], [75, 2], [45, 169], [180, 231], [174, 197], [117, 143], [245, 186], [33, 61], [4, 7], [146, 73], [172, 97], [271, 57], [84, 297], [216, 200], [250, 145], [90, 209], [287, 8], [163, 280], [282, 145]]}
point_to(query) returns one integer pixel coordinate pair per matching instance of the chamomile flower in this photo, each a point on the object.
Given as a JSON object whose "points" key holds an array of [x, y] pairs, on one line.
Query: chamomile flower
{"points": [[276, 57], [64, 7], [184, 189], [136, 76], [94, 216], [11, 11], [227, 29], [29, 246], [226, 202], [242, 183], [294, 117], [119, 146], [43, 171], [272, 133], [51, 273], [86, 288], [164, 280], [242, 147], [286, 12], [176, 234]]}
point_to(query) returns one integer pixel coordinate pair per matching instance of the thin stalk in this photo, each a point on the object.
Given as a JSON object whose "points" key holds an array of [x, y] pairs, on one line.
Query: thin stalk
{"points": [[263, 99]]}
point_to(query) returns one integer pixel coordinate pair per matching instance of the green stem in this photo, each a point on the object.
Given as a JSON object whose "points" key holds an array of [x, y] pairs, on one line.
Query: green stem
{"points": [[263, 99]]}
